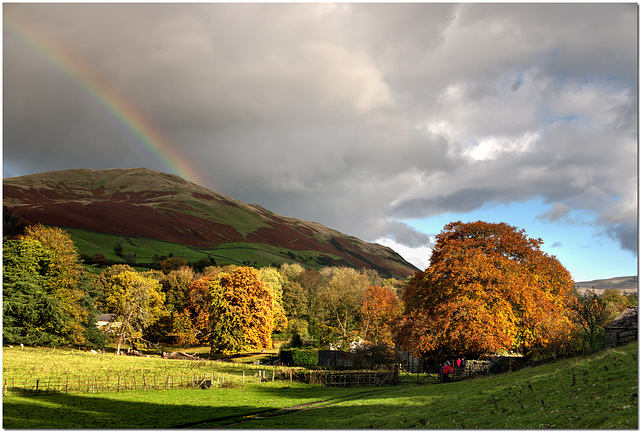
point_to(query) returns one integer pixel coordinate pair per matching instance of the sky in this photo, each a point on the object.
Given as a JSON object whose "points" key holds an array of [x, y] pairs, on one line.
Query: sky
{"points": [[383, 121]]}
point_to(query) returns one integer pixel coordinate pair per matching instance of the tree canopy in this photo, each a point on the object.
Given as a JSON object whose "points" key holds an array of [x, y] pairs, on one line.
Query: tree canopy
{"points": [[488, 288], [46, 294], [380, 309], [136, 300], [242, 311]]}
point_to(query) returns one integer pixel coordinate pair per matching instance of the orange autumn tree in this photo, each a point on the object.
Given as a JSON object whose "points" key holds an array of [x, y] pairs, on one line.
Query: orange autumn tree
{"points": [[192, 324], [241, 312], [488, 288], [380, 308]]}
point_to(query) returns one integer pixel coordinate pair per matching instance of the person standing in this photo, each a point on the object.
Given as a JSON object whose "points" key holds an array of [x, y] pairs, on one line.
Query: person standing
{"points": [[446, 371]]}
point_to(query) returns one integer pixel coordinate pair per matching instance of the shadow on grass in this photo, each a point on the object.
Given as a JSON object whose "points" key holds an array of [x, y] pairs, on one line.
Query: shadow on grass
{"points": [[173, 409], [79, 411]]}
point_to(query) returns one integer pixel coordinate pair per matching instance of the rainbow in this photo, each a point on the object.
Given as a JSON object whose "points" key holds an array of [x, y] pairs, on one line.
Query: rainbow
{"points": [[148, 136]]}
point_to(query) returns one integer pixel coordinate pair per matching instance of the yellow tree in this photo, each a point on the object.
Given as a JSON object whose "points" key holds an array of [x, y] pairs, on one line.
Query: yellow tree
{"points": [[136, 300], [275, 281], [184, 330], [488, 288], [242, 310]]}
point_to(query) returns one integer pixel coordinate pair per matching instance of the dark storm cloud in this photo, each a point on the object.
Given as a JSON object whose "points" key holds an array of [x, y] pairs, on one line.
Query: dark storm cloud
{"points": [[353, 115]]}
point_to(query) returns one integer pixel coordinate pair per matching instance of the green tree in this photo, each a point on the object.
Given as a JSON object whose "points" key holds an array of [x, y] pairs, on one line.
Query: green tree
{"points": [[174, 262], [294, 300], [63, 277], [591, 314], [46, 294], [338, 305], [615, 301], [175, 285], [118, 249], [30, 314], [136, 301]]}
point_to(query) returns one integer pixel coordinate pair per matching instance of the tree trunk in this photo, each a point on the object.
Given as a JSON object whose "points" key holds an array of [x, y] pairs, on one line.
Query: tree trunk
{"points": [[123, 331]]}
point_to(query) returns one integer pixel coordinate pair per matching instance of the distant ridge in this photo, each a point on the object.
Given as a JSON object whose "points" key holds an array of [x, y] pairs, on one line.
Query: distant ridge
{"points": [[141, 203], [627, 284]]}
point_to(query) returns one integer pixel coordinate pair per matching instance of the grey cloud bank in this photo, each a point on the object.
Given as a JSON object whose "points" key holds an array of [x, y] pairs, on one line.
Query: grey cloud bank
{"points": [[358, 116]]}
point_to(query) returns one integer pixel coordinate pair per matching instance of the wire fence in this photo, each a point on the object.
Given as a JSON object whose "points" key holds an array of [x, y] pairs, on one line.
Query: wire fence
{"points": [[95, 384], [110, 383]]}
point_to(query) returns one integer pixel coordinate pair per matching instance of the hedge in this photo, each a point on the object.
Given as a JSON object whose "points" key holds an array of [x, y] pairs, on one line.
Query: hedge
{"points": [[299, 357]]}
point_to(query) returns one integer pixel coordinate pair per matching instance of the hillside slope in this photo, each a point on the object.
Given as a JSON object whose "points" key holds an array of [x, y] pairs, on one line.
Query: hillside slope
{"points": [[142, 203], [626, 284]]}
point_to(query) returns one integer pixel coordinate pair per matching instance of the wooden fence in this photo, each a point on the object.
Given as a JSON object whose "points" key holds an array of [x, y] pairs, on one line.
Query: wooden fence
{"points": [[352, 379]]}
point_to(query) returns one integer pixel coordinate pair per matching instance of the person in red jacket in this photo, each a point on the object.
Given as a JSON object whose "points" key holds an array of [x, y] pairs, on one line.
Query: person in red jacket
{"points": [[446, 371]]}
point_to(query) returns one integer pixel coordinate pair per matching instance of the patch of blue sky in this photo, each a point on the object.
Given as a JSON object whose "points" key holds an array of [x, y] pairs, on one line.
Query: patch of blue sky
{"points": [[581, 246]]}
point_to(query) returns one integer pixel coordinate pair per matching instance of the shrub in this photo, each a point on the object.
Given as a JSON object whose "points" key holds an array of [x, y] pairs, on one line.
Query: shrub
{"points": [[299, 357]]}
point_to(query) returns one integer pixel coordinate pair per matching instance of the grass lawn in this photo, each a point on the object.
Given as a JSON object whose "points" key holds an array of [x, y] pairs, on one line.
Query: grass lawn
{"points": [[596, 391], [599, 391], [157, 409]]}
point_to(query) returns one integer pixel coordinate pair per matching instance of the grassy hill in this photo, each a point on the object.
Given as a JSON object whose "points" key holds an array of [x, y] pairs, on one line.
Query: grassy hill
{"points": [[152, 213], [625, 284], [595, 391]]}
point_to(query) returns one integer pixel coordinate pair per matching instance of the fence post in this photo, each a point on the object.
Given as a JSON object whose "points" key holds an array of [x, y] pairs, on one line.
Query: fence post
{"points": [[118, 382], [37, 384], [242, 377]]}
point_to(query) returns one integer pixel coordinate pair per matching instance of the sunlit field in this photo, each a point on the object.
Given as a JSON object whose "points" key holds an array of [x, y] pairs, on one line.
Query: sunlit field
{"points": [[596, 391]]}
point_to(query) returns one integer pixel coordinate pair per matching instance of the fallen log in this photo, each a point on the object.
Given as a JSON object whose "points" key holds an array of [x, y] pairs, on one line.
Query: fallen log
{"points": [[180, 355]]}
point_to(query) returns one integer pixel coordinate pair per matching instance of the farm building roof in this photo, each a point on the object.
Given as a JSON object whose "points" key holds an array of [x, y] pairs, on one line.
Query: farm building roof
{"points": [[627, 319]]}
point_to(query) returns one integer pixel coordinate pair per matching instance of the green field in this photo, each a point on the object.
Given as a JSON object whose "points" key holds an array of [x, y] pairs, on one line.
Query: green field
{"points": [[596, 391], [145, 249], [44, 363]]}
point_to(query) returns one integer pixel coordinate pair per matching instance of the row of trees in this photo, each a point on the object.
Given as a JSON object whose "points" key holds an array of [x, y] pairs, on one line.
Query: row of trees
{"points": [[488, 288], [50, 298]]}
